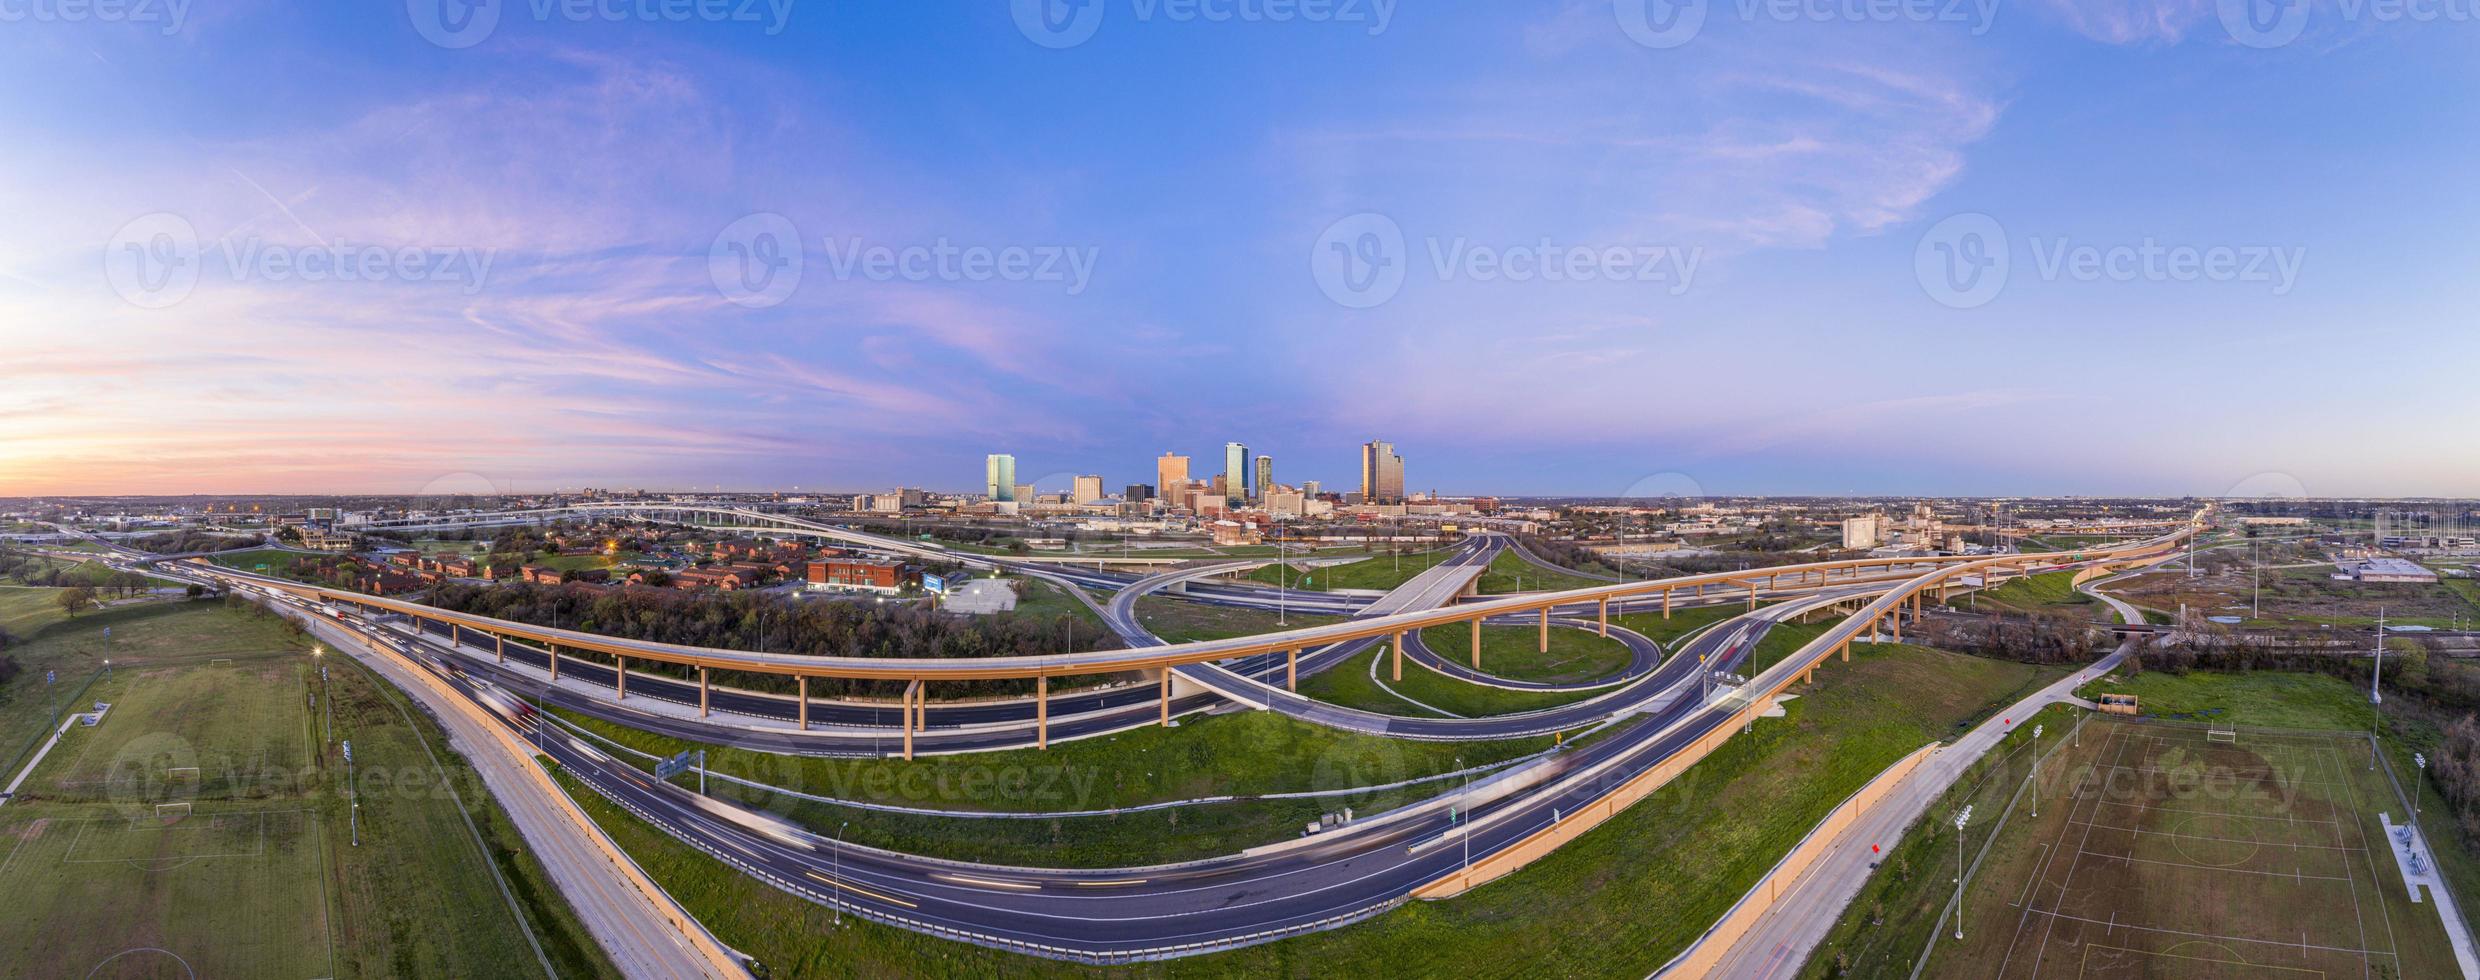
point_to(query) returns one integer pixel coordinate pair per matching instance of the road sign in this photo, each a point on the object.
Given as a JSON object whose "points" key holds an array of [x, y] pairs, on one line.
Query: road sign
{"points": [[47, 678], [348, 750], [673, 766]]}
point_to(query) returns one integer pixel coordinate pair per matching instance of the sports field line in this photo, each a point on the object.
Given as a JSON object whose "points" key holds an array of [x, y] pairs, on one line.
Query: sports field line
{"points": [[259, 851], [2229, 774], [2085, 967], [2224, 840], [2284, 943], [2376, 879], [2296, 875], [2210, 813], [2067, 887]]}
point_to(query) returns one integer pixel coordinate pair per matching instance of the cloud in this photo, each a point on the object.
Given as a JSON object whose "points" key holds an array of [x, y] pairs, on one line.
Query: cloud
{"points": [[2132, 21]]}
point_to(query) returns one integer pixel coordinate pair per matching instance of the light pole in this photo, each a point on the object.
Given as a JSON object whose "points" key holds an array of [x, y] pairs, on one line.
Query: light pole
{"points": [[1960, 820], [838, 861], [2036, 770], [2375, 696], [2422, 762], [1463, 816]]}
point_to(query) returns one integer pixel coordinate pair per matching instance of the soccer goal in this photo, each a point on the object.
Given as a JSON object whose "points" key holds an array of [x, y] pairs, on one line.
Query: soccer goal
{"points": [[168, 810], [190, 771], [2230, 736], [220, 662]]}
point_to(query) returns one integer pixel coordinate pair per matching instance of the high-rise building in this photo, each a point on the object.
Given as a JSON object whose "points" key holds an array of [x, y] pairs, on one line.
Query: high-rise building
{"points": [[1236, 473], [999, 476], [1265, 478], [1171, 475], [1860, 532], [1024, 493], [1088, 489], [1137, 493], [1311, 488], [1382, 473]]}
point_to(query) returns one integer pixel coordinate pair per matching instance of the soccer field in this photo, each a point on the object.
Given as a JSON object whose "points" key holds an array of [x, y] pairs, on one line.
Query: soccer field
{"points": [[210, 894], [2168, 851], [221, 731]]}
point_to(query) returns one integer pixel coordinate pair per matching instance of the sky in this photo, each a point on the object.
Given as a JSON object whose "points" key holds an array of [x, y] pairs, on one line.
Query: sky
{"points": [[1590, 247]]}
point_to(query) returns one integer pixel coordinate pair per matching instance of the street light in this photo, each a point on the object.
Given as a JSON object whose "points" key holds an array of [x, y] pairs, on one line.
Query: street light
{"points": [[2422, 762], [1960, 819], [837, 858], [1463, 817]]}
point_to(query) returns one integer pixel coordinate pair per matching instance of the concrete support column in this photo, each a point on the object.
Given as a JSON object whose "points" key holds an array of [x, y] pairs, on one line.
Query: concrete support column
{"points": [[1475, 626], [555, 659], [620, 676], [702, 691], [1399, 656], [1845, 650], [503, 647], [1897, 619], [1666, 603], [1605, 617], [1291, 670], [1545, 629], [1166, 697], [908, 718], [803, 681], [1752, 595], [1041, 711]]}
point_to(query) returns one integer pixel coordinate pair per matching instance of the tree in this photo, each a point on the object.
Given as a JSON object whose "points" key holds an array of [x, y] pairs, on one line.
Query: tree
{"points": [[76, 600], [195, 590]]}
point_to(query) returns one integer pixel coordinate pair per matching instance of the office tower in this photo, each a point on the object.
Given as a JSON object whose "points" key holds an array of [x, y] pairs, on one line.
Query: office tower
{"points": [[1024, 493], [1088, 489], [1311, 488], [1382, 473], [1265, 478], [1137, 493], [1235, 472], [1171, 475], [999, 477]]}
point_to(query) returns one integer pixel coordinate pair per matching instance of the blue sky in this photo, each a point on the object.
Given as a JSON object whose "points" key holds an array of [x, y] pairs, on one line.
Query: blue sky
{"points": [[1768, 205]]}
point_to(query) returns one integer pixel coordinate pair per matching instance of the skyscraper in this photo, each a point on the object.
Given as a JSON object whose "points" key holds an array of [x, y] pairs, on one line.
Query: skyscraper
{"points": [[999, 477], [1236, 473], [1382, 473], [1171, 477], [1088, 489], [1265, 478]]}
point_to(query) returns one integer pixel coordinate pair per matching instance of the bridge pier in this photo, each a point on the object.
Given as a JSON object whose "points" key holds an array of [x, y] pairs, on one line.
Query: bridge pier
{"points": [[1291, 670], [1399, 656], [620, 676], [1752, 595], [1604, 616], [1475, 626], [1166, 697], [702, 691], [1666, 603], [1545, 629], [1041, 711], [1845, 649], [909, 691], [555, 660], [803, 682], [503, 647]]}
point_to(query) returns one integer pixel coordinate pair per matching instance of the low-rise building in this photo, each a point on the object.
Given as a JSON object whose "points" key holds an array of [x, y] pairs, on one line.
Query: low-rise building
{"points": [[859, 575]]}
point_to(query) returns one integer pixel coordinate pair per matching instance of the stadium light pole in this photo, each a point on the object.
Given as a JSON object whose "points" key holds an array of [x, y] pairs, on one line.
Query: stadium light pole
{"points": [[2422, 762], [2036, 770], [1960, 820], [2374, 695]]}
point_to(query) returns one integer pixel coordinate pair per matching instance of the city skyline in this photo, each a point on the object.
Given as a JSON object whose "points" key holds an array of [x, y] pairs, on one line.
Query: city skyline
{"points": [[1796, 202]]}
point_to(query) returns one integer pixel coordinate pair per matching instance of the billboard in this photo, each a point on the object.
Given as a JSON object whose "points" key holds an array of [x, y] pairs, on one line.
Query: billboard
{"points": [[934, 583]]}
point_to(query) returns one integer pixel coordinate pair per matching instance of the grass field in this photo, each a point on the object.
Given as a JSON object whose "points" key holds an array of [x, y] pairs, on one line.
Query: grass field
{"points": [[263, 877], [2161, 852], [1179, 621], [1514, 652], [2267, 698], [221, 894], [1381, 572], [2045, 592], [1350, 684], [1242, 754], [1509, 572], [1619, 901], [270, 561]]}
